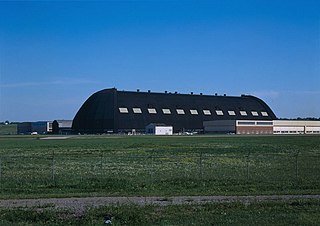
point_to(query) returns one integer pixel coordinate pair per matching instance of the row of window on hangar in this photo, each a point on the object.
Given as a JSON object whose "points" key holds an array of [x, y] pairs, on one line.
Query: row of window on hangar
{"points": [[167, 111]]}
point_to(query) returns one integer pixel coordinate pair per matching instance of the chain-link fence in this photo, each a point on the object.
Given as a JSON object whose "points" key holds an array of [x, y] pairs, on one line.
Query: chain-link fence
{"points": [[167, 172]]}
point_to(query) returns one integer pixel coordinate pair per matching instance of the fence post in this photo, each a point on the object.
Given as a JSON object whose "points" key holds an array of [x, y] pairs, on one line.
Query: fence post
{"points": [[247, 158], [101, 168], [53, 169], [297, 168], [101, 159], [200, 165], [0, 172], [151, 170]]}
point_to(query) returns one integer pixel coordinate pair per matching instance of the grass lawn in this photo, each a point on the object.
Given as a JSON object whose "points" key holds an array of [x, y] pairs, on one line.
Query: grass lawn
{"points": [[269, 213], [152, 165]]}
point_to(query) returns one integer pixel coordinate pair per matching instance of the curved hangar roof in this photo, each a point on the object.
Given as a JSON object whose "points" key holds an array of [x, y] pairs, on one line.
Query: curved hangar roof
{"points": [[110, 110]]}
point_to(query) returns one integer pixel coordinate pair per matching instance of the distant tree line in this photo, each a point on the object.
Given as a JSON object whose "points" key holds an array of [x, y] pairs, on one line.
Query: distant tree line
{"points": [[7, 123]]}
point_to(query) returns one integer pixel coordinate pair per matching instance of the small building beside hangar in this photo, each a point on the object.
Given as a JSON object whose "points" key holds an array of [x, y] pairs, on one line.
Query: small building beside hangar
{"points": [[239, 126], [39, 127], [62, 126], [262, 127], [159, 129], [296, 127]]}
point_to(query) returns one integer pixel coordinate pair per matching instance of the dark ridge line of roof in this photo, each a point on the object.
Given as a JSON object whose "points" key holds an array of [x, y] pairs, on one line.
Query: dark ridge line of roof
{"points": [[174, 93]]}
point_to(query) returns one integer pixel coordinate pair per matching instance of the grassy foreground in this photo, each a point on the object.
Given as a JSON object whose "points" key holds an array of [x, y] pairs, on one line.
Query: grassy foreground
{"points": [[275, 213], [31, 166]]}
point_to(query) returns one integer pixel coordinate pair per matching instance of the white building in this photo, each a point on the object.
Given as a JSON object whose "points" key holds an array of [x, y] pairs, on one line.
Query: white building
{"points": [[159, 129], [262, 126], [296, 127], [239, 126]]}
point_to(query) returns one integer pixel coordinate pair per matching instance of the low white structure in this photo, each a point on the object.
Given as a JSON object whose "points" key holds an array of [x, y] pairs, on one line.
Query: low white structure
{"points": [[159, 129], [296, 127], [262, 126], [239, 126]]}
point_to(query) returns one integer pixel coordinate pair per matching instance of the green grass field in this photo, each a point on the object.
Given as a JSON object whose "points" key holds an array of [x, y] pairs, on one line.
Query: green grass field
{"points": [[274, 213], [152, 165]]}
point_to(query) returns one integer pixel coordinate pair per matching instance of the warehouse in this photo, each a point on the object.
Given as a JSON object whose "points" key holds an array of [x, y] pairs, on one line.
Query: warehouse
{"points": [[62, 126], [113, 111], [239, 126], [262, 127], [40, 127], [296, 127]]}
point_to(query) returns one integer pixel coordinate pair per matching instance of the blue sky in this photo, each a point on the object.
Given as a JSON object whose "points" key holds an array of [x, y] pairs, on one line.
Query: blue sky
{"points": [[54, 55]]}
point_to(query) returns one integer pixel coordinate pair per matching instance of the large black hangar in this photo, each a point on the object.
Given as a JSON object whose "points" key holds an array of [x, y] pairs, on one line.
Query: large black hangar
{"points": [[114, 111]]}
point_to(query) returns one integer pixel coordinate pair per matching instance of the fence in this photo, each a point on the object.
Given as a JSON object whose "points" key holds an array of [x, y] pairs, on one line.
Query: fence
{"points": [[157, 171]]}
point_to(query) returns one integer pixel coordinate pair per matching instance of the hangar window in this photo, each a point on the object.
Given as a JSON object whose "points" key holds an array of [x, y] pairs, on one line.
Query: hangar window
{"points": [[123, 110], [206, 112], [137, 110], [243, 113], [264, 113], [166, 111], [231, 113], [152, 111], [180, 111], [254, 113], [193, 112], [219, 112]]}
